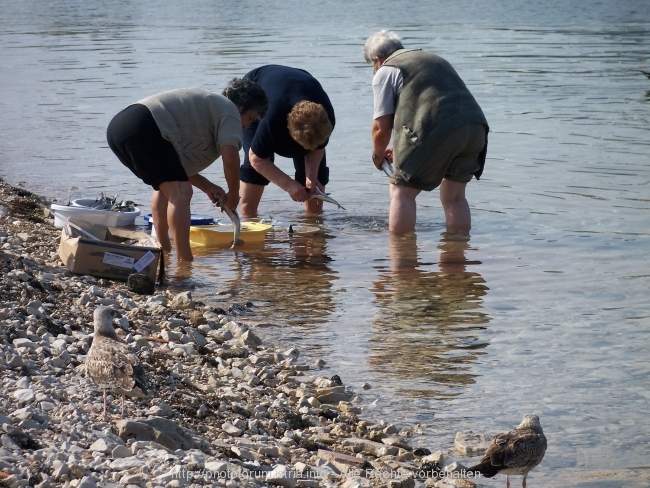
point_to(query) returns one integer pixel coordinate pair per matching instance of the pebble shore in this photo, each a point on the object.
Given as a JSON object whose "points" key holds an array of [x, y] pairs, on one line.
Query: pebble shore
{"points": [[224, 409]]}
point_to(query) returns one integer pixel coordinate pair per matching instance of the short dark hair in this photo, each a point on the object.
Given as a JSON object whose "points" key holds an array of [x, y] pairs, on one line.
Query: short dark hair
{"points": [[247, 95]]}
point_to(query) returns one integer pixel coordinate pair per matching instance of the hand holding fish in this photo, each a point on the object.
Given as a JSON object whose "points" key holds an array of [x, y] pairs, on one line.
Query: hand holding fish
{"points": [[221, 202], [381, 156], [297, 192]]}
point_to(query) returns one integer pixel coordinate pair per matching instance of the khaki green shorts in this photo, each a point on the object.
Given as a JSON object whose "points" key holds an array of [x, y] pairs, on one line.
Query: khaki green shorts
{"points": [[456, 158]]}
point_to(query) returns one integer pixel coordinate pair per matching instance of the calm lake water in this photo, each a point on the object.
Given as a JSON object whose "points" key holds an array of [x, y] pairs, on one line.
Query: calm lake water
{"points": [[543, 309]]}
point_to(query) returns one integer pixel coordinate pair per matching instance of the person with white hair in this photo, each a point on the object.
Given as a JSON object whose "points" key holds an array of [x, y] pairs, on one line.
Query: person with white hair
{"points": [[439, 130]]}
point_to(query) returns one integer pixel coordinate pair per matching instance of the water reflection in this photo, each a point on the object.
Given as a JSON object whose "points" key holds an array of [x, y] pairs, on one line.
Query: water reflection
{"points": [[290, 274], [429, 323]]}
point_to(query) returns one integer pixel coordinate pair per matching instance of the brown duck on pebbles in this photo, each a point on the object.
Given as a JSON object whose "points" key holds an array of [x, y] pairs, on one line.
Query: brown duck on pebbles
{"points": [[110, 363], [515, 452]]}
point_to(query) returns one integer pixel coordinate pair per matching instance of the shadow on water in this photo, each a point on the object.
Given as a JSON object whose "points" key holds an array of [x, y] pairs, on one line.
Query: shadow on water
{"points": [[427, 331]]}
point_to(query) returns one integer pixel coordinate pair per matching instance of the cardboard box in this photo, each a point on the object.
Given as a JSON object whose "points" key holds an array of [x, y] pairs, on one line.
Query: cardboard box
{"points": [[108, 252]]}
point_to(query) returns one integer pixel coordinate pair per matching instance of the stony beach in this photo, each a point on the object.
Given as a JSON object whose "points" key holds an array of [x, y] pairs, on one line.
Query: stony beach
{"points": [[224, 409]]}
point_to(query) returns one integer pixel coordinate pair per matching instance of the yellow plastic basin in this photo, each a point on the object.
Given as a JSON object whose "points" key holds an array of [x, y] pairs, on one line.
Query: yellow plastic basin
{"points": [[222, 235]]}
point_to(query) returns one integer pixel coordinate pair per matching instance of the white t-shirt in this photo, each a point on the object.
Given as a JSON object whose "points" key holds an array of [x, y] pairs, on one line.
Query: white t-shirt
{"points": [[386, 85]]}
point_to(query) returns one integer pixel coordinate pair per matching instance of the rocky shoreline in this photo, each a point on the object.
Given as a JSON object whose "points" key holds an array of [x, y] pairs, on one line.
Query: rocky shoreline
{"points": [[224, 409]]}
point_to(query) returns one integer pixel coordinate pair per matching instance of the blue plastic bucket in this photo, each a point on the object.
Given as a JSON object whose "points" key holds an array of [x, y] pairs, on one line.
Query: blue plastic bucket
{"points": [[196, 219]]}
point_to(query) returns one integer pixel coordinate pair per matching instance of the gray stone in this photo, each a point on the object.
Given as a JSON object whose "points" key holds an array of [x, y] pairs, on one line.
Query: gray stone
{"points": [[103, 445], [171, 335], [231, 430], [22, 275], [183, 301], [128, 304], [291, 353], [196, 337], [177, 475], [216, 466], [186, 350], [157, 300], [14, 361], [435, 458], [121, 451], [47, 406], [29, 424], [271, 451], [454, 483], [281, 476], [23, 413], [133, 479], [243, 453], [60, 473], [396, 441], [249, 339], [402, 482], [374, 448], [333, 397], [13, 481], [24, 342], [454, 468], [9, 443], [160, 409], [341, 458], [175, 323], [164, 432], [236, 329], [121, 464], [87, 482], [95, 291], [470, 444], [24, 395], [39, 314]]}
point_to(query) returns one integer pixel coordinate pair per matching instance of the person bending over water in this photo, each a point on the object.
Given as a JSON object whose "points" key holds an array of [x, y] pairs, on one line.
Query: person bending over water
{"points": [[298, 124], [439, 131], [167, 139]]}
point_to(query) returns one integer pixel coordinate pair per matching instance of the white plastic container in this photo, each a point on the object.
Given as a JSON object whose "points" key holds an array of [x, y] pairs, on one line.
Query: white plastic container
{"points": [[78, 210]]}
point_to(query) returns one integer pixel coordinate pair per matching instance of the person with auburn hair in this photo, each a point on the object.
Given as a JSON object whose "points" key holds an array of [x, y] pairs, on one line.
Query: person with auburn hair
{"points": [[297, 125], [168, 138], [439, 131]]}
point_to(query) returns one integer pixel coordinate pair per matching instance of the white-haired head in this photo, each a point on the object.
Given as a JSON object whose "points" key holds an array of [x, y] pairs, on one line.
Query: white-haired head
{"points": [[381, 45]]}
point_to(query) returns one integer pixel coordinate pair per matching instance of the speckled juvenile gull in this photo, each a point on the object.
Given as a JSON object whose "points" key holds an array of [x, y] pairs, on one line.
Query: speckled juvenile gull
{"points": [[110, 363], [515, 452]]}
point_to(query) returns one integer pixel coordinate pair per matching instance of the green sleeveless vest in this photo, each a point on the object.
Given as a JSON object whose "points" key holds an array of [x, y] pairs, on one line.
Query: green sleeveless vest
{"points": [[433, 102]]}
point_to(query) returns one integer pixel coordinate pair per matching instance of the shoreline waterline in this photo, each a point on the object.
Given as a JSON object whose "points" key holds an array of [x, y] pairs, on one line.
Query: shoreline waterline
{"points": [[234, 400]]}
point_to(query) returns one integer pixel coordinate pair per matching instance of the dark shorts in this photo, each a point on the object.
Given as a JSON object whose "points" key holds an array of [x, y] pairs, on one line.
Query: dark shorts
{"points": [[136, 140], [248, 175], [458, 158]]}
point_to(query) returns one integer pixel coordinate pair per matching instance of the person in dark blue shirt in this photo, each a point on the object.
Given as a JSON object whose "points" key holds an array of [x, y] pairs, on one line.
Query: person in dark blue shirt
{"points": [[297, 125]]}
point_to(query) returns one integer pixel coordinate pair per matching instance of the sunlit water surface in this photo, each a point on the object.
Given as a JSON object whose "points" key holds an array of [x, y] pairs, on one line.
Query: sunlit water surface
{"points": [[544, 309]]}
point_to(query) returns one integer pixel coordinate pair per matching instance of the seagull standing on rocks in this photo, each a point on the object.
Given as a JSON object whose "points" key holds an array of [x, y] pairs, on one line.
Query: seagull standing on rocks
{"points": [[515, 452], [110, 363]]}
